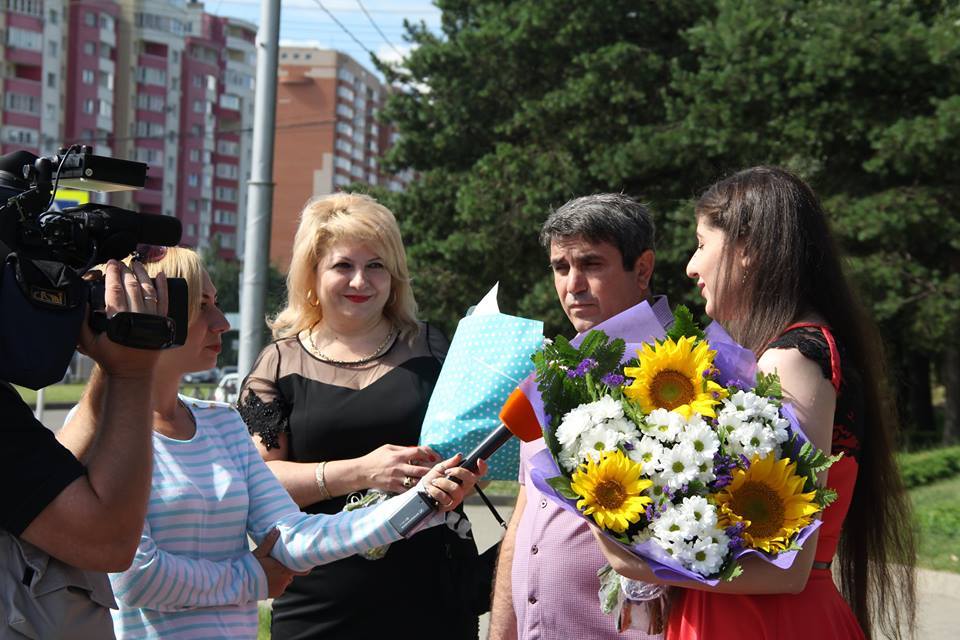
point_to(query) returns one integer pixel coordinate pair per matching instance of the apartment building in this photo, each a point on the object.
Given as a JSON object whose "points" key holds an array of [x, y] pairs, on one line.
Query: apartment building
{"points": [[328, 135]]}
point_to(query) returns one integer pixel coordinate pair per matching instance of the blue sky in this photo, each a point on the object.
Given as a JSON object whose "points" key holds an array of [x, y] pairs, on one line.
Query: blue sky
{"points": [[305, 22]]}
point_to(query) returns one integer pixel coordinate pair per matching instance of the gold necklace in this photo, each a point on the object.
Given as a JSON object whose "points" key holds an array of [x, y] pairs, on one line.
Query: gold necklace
{"points": [[350, 363]]}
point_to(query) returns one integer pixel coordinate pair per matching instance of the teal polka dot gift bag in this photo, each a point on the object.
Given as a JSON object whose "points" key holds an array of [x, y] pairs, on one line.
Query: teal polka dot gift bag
{"points": [[488, 358]]}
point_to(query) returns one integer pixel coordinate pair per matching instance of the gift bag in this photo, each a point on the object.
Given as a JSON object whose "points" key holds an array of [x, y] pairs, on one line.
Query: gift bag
{"points": [[488, 357]]}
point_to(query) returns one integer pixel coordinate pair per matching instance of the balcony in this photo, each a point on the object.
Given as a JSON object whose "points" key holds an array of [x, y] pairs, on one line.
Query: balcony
{"points": [[106, 65], [24, 56], [239, 44], [108, 36]]}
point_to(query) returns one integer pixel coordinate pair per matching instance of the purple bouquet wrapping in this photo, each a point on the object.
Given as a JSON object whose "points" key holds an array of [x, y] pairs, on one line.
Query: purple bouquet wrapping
{"points": [[676, 447]]}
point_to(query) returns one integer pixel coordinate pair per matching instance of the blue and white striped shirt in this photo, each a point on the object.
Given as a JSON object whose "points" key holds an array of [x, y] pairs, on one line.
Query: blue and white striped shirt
{"points": [[193, 575]]}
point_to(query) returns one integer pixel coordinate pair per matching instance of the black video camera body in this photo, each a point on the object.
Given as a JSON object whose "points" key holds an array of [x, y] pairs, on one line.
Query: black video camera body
{"points": [[45, 253]]}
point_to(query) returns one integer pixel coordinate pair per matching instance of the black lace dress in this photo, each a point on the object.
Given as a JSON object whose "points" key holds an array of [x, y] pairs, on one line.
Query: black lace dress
{"points": [[337, 413]]}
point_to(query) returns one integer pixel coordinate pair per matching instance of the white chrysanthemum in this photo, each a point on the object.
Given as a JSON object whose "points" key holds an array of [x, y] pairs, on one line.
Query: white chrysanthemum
{"points": [[700, 512], [647, 452], [573, 424], [568, 459], [705, 473], [706, 556], [664, 425], [606, 408], [680, 465], [701, 437], [671, 526], [747, 401], [753, 439], [595, 441]]}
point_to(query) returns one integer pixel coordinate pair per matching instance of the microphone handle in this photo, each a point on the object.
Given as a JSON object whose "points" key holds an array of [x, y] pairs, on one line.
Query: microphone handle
{"points": [[496, 439], [416, 511]]}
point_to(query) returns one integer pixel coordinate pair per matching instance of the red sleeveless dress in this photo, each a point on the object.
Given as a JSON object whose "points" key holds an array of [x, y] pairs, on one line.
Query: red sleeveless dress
{"points": [[819, 611]]}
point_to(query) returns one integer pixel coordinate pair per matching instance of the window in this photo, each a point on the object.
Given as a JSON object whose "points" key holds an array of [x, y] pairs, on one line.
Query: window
{"points": [[20, 135], [228, 148], [88, 106], [342, 163], [193, 180], [54, 17], [194, 155], [106, 51], [344, 128], [196, 130], [29, 7], [150, 75], [52, 80], [343, 74], [149, 129], [229, 101], [227, 171], [150, 156], [225, 194], [345, 92], [105, 79], [343, 145], [24, 39], [53, 48], [90, 19], [197, 81], [191, 230], [192, 205], [89, 48], [198, 106], [344, 110], [150, 102], [340, 181], [107, 22], [87, 76], [105, 108]]}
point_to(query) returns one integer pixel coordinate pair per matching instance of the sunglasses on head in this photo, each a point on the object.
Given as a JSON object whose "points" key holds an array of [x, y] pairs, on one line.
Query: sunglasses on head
{"points": [[147, 253]]}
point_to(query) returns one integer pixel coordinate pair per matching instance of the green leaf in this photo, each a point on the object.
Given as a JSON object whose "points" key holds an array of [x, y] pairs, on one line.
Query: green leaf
{"points": [[684, 325], [561, 484], [768, 385], [730, 571]]}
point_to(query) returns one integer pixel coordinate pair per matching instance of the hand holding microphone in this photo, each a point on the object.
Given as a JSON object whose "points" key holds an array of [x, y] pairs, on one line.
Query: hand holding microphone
{"points": [[517, 419]]}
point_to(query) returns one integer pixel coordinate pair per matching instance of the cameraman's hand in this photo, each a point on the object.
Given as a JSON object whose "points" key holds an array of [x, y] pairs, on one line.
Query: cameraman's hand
{"points": [[125, 289]]}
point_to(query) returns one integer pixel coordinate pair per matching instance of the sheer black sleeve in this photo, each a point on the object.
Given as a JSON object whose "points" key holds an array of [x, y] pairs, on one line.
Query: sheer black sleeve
{"points": [[261, 403]]}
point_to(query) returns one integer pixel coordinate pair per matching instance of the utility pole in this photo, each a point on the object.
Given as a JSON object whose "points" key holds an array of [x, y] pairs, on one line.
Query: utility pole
{"points": [[256, 254]]}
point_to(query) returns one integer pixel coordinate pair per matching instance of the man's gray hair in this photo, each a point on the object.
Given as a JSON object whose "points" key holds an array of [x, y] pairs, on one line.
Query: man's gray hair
{"points": [[603, 217]]}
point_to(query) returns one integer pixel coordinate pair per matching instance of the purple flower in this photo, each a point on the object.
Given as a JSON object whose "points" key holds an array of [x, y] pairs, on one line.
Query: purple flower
{"points": [[613, 380], [585, 365]]}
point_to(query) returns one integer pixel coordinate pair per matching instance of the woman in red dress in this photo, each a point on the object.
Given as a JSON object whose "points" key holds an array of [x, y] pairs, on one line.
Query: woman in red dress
{"points": [[769, 272]]}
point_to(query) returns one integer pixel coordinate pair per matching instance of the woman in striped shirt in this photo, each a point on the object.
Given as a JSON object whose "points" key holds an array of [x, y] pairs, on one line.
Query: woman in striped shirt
{"points": [[193, 575]]}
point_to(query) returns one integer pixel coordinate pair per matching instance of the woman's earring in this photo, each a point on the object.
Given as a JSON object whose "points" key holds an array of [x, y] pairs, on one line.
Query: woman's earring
{"points": [[315, 302]]}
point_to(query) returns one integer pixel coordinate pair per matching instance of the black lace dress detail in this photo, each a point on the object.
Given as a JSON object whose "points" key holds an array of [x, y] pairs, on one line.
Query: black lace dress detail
{"points": [[265, 419], [848, 427]]}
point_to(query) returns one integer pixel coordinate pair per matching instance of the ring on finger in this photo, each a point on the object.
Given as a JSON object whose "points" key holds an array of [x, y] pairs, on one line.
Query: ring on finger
{"points": [[407, 482]]}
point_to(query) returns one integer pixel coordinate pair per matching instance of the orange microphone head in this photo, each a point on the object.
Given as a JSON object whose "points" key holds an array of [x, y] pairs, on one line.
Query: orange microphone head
{"points": [[518, 416]]}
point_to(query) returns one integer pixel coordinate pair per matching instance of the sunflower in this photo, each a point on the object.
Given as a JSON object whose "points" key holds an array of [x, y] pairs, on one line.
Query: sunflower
{"points": [[768, 499], [610, 490], [674, 376]]}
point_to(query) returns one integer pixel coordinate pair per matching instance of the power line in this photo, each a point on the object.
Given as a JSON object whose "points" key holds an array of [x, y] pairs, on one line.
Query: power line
{"points": [[375, 26], [185, 134], [341, 25]]}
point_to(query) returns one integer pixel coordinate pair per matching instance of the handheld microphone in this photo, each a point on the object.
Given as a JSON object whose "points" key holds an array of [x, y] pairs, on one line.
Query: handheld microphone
{"points": [[516, 419]]}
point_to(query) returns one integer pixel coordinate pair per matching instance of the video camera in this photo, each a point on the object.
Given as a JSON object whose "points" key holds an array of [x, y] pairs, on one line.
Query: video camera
{"points": [[44, 253]]}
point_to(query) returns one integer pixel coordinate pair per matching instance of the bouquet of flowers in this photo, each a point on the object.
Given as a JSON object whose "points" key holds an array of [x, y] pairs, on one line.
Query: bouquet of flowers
{"points": [[685, 454]]}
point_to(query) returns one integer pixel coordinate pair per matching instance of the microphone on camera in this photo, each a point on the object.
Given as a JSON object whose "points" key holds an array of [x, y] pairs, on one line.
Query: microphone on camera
{"points": [[517, 418]]}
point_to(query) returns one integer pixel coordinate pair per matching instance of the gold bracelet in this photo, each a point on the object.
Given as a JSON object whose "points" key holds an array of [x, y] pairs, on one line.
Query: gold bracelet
{"points": [[321, 484]]}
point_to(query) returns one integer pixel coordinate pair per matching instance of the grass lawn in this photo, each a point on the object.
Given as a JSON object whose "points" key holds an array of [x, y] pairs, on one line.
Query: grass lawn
{"points": [[70, 393], [937, 510], [263, 631]]}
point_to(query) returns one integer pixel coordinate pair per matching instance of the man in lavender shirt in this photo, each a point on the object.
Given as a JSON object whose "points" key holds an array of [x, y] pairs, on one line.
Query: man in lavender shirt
{"points": [[601, 254]]}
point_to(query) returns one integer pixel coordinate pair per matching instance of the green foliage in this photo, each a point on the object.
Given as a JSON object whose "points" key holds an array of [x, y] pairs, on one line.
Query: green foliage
{"points": [[561, 392], [561, 484], [925, 467], [768, 385], [519, 105], [730, 571], [811, 461], [684, 325]]}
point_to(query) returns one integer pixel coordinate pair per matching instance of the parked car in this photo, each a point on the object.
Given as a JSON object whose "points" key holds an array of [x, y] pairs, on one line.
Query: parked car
{"points": [[202, 377], [227, 389]]}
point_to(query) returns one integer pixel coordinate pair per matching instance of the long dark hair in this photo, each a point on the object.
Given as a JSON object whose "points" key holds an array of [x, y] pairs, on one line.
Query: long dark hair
{"points": [[794, 267]]}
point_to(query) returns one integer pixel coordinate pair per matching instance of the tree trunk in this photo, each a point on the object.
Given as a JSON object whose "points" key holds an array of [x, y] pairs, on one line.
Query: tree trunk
{"points": [[950, 377]]}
